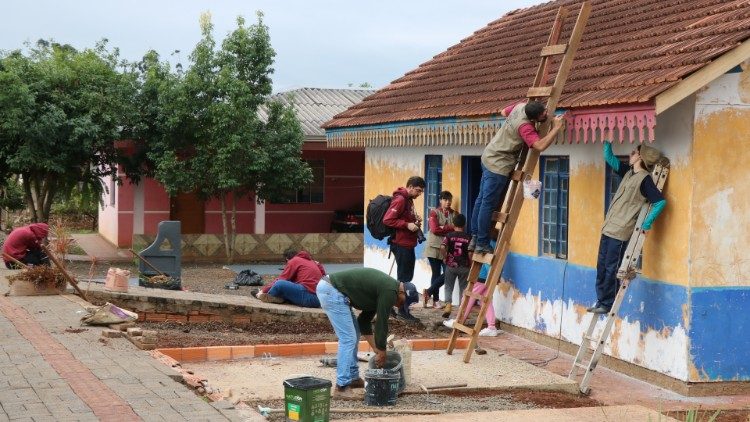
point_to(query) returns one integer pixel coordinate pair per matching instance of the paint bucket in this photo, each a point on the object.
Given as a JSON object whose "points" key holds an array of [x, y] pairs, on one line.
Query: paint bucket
{"points": [[532, 189], [393, 364], [307, 399], [381, 387]]}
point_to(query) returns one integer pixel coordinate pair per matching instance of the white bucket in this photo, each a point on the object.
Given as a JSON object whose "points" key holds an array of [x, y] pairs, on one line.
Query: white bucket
{"points": [[532, 189]]}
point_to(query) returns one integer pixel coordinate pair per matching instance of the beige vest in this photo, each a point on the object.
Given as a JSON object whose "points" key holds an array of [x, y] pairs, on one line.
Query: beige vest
{"points": [[501, 154], [432, 249], [626, 204]]}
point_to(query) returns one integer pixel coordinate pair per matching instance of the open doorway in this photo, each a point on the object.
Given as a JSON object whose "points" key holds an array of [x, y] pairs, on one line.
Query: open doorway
{"points": [[471, 174]]}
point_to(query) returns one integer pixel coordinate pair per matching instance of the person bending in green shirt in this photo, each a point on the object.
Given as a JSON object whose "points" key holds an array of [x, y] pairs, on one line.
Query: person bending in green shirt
{"points": [[372, 292]]}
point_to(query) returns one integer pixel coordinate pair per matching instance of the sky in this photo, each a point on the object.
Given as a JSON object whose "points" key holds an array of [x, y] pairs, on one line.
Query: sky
{"points": [[318, 43]]}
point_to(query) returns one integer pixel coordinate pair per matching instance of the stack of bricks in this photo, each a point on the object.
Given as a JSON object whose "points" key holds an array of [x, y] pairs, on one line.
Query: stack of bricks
{"points": [[143, 339]]}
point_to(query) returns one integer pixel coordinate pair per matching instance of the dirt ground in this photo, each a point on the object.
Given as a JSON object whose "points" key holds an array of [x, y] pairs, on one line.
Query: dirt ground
{"points": [[454, 402], [175, 334]]}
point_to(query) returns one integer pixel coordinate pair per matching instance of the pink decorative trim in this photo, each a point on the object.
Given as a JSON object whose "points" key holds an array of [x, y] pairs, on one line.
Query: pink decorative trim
{"points": [[634, 123]]}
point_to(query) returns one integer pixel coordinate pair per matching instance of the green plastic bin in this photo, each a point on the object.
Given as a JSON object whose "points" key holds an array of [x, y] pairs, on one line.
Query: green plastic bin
{"points": [[307, 399]]}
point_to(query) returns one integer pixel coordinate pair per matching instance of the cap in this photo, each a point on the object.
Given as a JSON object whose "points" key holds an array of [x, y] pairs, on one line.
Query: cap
{"points": [[412, 296], [650, 156]]}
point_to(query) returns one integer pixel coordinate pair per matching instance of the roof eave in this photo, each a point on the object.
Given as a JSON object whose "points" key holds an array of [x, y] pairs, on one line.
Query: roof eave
{"points": [[700, 78]]}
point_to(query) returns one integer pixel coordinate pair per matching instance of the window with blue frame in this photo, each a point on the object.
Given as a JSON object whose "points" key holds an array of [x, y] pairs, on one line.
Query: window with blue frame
{"points": [[553, 206], [611, 183], [433, 170]]}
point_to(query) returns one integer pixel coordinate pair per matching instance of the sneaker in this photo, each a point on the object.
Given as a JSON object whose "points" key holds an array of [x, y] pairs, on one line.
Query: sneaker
{"points": [[473, 242], [425, 298], [407, 317], [344, 392], [447, 310], [265, 297], [489, 332], [449, 323], [437, 304], [482, 249]]}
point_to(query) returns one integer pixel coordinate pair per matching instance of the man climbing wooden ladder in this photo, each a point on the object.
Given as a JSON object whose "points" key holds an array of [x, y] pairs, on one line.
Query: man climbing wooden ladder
{"points": [[508, 214]]}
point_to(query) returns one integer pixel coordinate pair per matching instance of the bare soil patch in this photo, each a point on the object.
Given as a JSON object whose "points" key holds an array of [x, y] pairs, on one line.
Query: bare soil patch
{"points": [[454, 402], [177, 334]]}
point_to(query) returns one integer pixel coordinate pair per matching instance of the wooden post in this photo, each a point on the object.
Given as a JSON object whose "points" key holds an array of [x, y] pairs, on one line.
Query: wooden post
{"points": [[146, 262], [68, 277]]}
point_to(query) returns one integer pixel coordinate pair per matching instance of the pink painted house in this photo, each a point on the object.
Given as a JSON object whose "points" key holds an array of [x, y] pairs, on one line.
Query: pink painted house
{"points": [[338, 186]]}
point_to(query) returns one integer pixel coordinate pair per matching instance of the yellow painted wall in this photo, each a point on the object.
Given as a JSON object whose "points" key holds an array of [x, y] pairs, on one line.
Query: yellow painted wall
{"points": [[720, 236], [525, 238], [452, 178], [385, 171], [665, 252], [586, 212]]}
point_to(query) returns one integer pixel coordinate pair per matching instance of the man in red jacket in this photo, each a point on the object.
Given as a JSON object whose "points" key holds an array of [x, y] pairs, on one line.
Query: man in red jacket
{"points": [[402, 217], [297, 283], [25, 244]]}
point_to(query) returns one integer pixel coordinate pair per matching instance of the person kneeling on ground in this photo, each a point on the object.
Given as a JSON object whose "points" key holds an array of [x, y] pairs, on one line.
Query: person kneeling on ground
{"points": [[297, 282], [25, 245], [374, 293]]}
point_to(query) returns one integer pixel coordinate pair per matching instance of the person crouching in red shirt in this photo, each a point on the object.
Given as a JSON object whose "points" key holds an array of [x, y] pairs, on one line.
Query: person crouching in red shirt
{"points": [[297, 283], [25, 245]]}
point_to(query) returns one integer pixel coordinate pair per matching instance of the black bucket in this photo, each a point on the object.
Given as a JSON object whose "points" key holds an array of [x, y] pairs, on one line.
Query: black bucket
{"points": [[393, 364], [381, 387]]}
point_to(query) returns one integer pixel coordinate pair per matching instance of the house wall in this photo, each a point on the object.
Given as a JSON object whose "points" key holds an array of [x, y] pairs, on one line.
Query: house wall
{"points": [[107, 215], [138, 209], [343, 187], [720, 267], [550, 295]]}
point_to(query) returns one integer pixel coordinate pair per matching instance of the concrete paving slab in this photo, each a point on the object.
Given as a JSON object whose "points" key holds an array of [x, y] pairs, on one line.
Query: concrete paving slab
{"points": [[577, 414], [262, 378]]}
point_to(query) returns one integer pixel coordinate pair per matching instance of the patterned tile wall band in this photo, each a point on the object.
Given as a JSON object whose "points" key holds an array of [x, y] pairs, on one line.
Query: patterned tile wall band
{"points": [[327, 247]]}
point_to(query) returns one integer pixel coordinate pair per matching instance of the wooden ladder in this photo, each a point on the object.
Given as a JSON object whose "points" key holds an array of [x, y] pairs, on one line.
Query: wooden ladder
{"points": [[509, 210], [592, 346]]}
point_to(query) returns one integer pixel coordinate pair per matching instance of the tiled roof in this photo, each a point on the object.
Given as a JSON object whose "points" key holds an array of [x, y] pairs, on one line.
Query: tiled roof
{"points": [[631, 51], [315, 106]]}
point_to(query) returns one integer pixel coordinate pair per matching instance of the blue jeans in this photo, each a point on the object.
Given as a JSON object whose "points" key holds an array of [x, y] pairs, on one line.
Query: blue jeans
{"points": [[339, 312], [438, 278], [294, 293], [610, 256], [491, 188]]}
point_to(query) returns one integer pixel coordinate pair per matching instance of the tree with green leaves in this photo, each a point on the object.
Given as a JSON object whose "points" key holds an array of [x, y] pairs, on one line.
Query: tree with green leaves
{"points": [[61, 111], [214, 142]]}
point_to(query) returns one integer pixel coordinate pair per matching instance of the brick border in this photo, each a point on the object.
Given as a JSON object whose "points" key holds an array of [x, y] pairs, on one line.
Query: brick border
{"points": [[221, 353], [105, 404]]}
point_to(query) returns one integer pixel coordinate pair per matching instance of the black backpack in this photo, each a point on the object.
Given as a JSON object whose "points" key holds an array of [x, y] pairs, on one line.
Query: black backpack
{"points": [[376, 210], [248, 278]]}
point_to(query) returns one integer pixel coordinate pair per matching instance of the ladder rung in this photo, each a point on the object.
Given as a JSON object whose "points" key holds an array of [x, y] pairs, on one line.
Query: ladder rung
{"points": [[473, 295], [580, 365], [483, 258], [554, 50], [540, 91], [500, 217], [462, 328], [516, 175]]}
